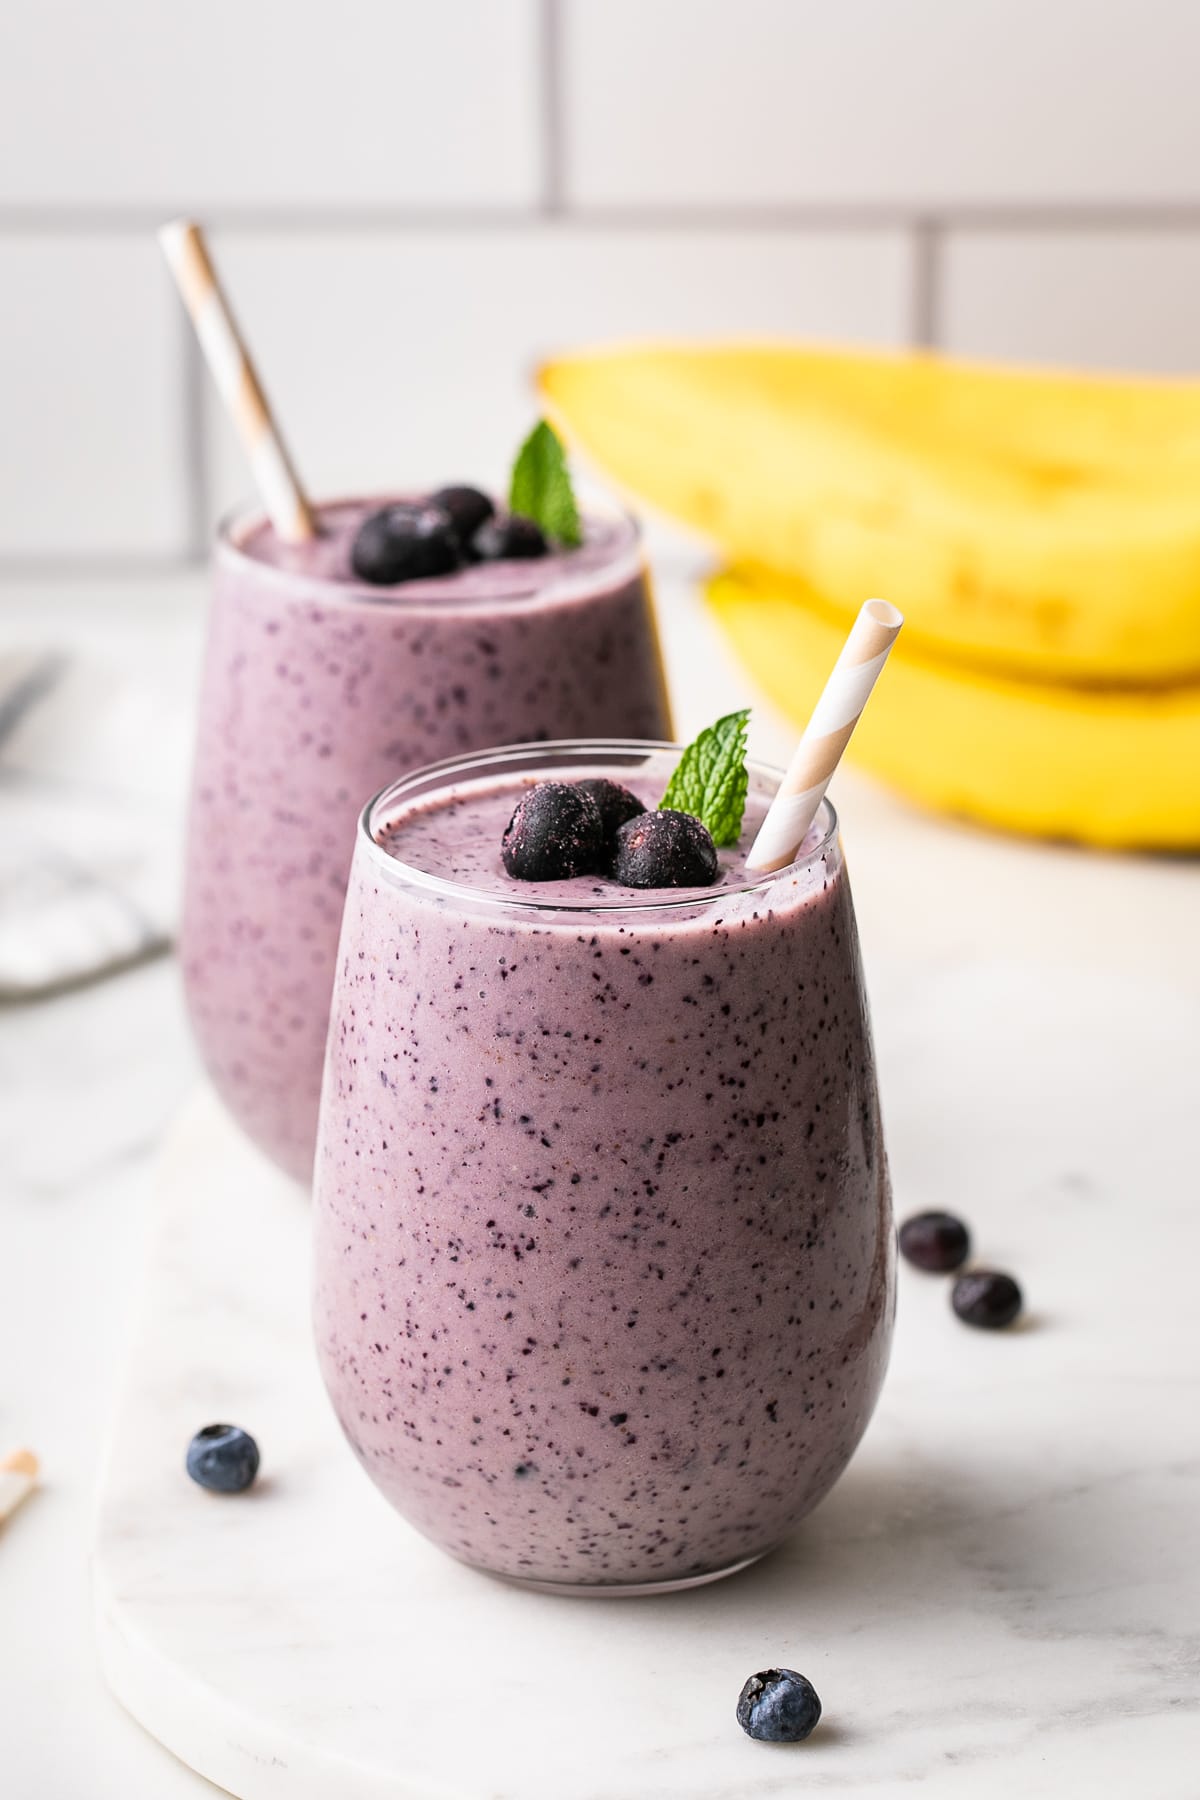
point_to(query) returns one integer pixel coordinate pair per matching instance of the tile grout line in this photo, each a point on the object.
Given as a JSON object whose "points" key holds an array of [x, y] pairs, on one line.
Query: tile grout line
{"points": [[553, 121], [553, 211], [925, 297], [89, 566], [195, 446]]}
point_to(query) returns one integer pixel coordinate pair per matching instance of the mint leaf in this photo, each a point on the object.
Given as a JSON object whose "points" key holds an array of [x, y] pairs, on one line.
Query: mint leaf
{"points": [[711, 780], [541, 487]]}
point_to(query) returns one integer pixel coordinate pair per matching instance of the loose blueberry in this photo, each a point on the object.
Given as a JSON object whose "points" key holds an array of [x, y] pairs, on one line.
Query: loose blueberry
{"points": [[405, 542], [617, 805], [935, 1241], [467, 507], [223, 1458], [987, 1299], [664, 849], [511, 538], [554, 833], [778, 1706]]}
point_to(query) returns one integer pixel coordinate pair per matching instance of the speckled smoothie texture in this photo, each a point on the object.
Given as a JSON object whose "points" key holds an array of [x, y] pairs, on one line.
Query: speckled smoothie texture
{"points": [[603, 1276], [316, 691]]}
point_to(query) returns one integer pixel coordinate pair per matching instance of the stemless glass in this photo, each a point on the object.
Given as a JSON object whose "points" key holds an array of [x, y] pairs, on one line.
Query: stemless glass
{"points": [[315, 691], [603, 1245]]}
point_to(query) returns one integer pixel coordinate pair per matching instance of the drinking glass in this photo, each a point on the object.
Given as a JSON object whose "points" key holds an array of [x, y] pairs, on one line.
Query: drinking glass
{"points": [[603, 1243], [315, 691]]}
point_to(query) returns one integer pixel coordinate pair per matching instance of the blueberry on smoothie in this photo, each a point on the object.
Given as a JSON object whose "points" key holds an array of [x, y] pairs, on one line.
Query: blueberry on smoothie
{"points": [[554, 833], [511, 538], [468, 509], [405, 542], [664, 849], [935, 1241], [987, 1299], [223, 1459], [617, 805], [778, 1706]]}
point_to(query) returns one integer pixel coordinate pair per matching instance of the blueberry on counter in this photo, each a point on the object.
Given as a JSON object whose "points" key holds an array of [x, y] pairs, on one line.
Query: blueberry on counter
{"points": [[511, 538], [778, 1706], [554, 833], [468, 508], [223, 1459], [664, 849], [935, 1241], [617, 805], [986, 1298], [405, 542]]}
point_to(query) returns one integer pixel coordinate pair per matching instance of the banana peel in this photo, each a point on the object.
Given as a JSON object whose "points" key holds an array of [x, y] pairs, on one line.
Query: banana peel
{"points": [[1116, 768], [1041, 523]]}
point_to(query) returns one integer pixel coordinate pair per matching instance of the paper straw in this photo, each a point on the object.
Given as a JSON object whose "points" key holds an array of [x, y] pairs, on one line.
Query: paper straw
{"points": [[18, 1478], [187, 254], [825, 736]]}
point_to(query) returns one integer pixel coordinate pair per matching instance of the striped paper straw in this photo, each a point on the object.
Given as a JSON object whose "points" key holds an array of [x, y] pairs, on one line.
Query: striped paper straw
{"points": [[187, 254], [825, 736], [18, 1478]]}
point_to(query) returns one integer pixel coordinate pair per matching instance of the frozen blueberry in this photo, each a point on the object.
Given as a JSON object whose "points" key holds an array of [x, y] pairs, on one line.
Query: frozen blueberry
{"points": [[986, 1298], [223, 1458], [405, 542], [778, 1706], [468, 509], [555, 833], [664, 849], [935, 1241], [512, 538], [617, 805]]}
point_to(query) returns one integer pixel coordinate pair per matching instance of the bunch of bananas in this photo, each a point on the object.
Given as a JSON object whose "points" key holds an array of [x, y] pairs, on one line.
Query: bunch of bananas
{"points": [[1040, 531]]}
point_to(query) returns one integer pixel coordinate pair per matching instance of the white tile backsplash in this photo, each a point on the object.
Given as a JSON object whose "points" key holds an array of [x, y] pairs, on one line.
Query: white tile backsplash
{"points": [[91, 452], [1113, 300], [914, 102], [716, 169], [408, 358], [261, 103]]}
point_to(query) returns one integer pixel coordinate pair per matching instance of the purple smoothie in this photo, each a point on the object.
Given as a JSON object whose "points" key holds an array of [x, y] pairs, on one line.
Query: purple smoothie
{"points": [[603, 1271], [316, 690]]}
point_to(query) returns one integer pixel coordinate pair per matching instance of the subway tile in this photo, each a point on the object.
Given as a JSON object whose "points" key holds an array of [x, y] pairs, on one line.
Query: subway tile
{"points": [[262, 103], [699, 102], [407, 359], [91, 455], [1111, 300]]}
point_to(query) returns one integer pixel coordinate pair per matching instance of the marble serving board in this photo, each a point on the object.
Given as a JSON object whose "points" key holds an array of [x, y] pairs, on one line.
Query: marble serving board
{"points": [[999, 1596]]}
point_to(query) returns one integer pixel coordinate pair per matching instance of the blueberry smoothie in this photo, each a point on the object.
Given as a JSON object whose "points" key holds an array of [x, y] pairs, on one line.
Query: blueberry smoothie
{"points": [[603, 1246], [320, 685]]}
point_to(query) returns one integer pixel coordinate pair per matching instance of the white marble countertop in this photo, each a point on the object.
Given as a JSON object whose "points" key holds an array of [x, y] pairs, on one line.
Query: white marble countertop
{"points": [[1037, 1013]]}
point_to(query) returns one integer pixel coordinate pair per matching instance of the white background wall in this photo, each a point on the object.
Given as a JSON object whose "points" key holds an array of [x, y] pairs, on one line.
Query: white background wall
{"points": [[413, 201]]}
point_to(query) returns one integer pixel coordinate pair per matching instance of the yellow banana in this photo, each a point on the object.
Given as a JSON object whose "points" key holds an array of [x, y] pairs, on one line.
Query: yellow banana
{"points": [[1118, 768], [1045, 523]]}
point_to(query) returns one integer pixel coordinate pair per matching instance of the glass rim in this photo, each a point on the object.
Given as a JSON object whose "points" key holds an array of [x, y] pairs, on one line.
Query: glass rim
{"points": [[238, 520], [439, 775]]}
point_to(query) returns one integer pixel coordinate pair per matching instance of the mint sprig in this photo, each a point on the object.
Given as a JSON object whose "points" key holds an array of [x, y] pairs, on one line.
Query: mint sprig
{"points": [[541, 486], [711, 781]]}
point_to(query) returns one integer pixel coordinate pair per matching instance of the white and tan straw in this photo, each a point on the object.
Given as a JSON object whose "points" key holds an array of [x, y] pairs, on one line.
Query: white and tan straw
{"points": [[18, 1478], [187, 254], [825, 736]]}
